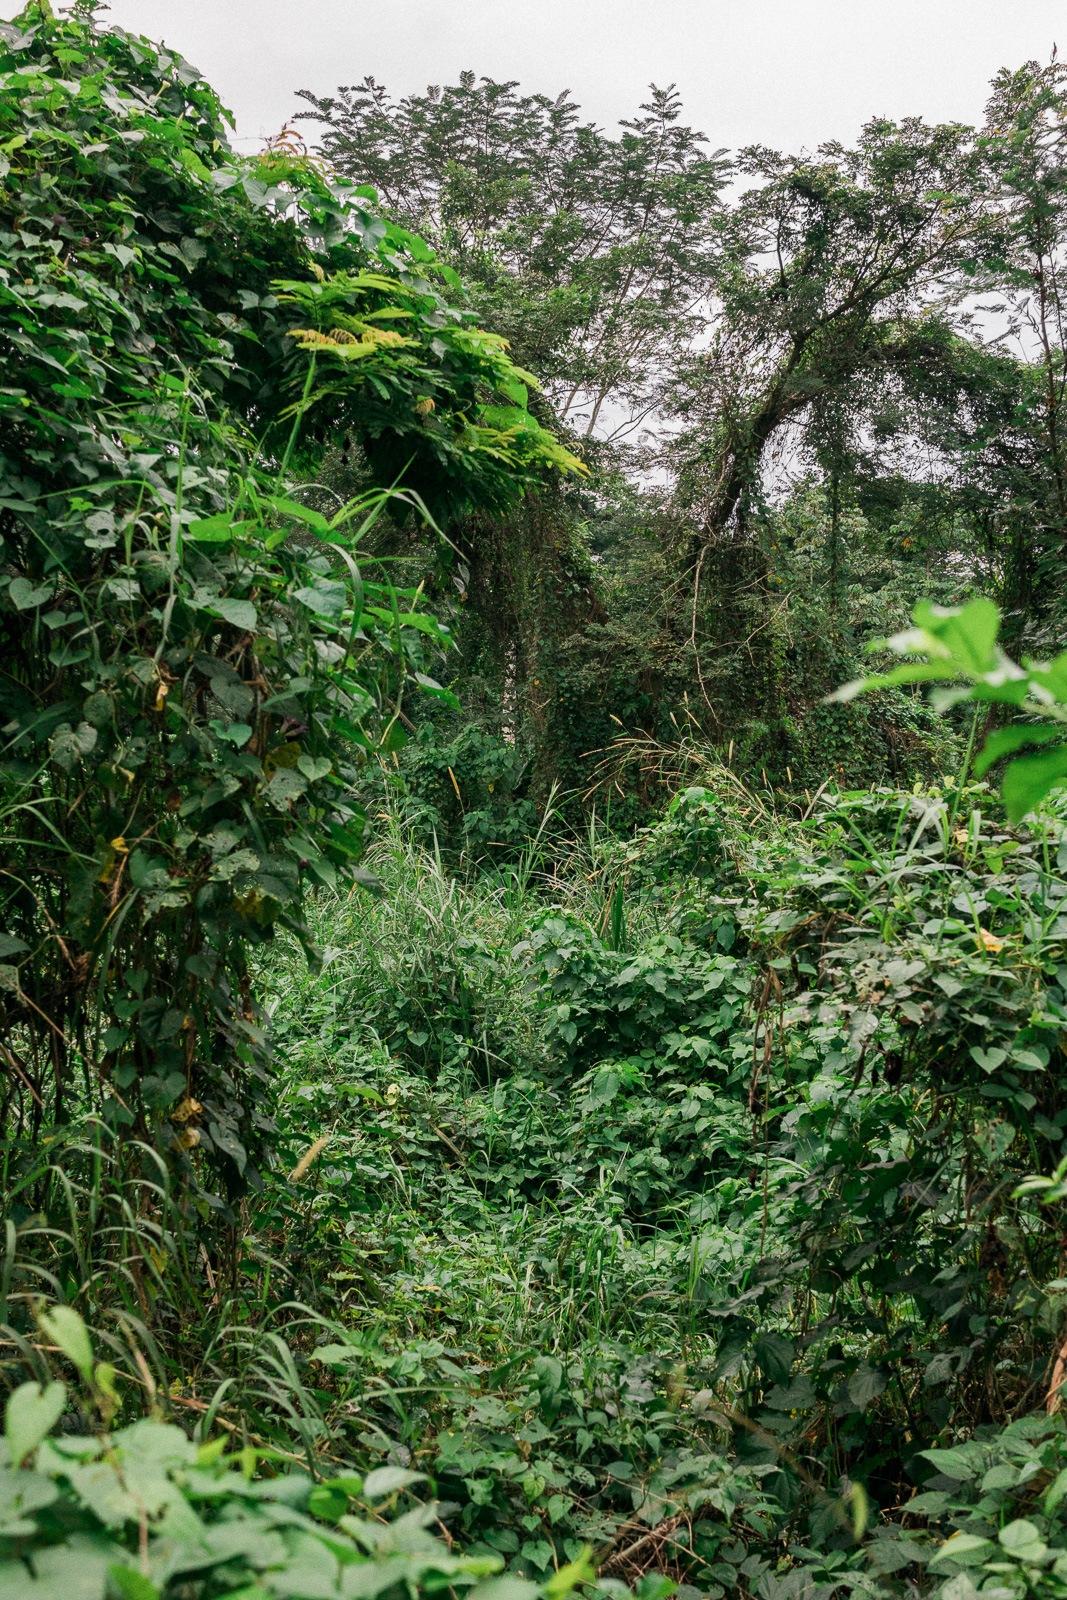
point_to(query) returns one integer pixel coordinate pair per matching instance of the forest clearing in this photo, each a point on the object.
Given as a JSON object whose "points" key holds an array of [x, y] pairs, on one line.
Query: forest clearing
{"points": [[533, 965]]}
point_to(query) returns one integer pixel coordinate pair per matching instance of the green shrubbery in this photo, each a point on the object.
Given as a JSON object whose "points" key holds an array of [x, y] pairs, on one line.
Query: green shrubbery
{"points": [[668, 1204], [143, 1513], [197, 667], [674, 1295], [783, 1175]]}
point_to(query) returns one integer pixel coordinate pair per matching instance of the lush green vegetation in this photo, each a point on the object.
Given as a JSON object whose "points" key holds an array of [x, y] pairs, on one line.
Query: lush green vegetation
{"points": [[524, 1066]]}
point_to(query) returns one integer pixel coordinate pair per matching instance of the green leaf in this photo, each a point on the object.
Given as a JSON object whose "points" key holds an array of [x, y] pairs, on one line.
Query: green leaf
{"points": [[1022, 1540], [333, 1355], [1004, 741], [507, 418], [533, 1486], [581, 1570], [1055, 1492], [66, 1329], [412, 619], [26, 596], [192, 250], [1029, 779], [865, 1385], [133, 1585], [192, 163], [314, 767], [241, 613], [284, 787], [890, 1555], [237, 734], [929, 1504], [1052, 677], [388, 1480], [324, 596], [958, 1463], [328, 1501], [290, 508], [212, 530], [432, 687], [364, 1093], [516, 391], [775, 1355], [969, 632], [32, 1412], [209, 1453], [961, 1545]]}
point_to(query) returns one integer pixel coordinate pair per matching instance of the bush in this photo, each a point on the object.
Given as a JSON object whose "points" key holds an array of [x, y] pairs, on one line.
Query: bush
{"points": [[599, 1002], [469, 794]]}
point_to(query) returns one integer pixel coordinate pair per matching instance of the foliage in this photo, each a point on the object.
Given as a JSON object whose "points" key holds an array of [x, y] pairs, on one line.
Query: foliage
{"points": [[145, 1513], [826, 258], [591, 254], [680, 1202], [829, 1285], [808, 349], [166, 257], [470, 793], [604, 999], [960, 645], [668, 1295], [196, 667], [463, 400]]}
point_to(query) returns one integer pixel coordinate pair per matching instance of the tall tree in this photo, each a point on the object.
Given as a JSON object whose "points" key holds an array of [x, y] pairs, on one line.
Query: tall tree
{"points": [[593, 255], [1023, 268], [827, 267]]}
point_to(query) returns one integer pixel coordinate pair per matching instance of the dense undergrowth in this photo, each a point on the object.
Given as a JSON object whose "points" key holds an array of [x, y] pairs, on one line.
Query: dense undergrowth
{"points": [[664, 1200]]}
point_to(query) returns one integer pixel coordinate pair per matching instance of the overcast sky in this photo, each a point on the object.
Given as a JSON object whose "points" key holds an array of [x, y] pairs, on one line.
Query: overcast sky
{"points": [[781, 72]]}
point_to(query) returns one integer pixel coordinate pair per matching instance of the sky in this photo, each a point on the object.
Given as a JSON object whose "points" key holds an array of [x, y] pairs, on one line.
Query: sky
{"points": [[787, 73]]}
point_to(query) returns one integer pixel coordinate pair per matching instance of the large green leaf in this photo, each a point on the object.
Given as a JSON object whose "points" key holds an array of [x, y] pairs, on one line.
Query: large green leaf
{"points": [[32, 1412], [961, 1463], [1030, 778], [968, 633], [64, 1326], [241, 613]]}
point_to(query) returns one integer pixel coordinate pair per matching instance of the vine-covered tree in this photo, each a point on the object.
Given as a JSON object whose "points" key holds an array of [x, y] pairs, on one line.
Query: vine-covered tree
{"points": [[194, 664]]}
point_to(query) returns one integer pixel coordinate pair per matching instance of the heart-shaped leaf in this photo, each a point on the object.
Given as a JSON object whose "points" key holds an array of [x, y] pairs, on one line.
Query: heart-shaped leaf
{"points": [[31, 1413]]}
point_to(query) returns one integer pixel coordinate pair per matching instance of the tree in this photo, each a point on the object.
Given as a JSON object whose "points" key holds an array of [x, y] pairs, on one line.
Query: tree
{"points": [[830, 268], [592, 255], [1021, 266]]}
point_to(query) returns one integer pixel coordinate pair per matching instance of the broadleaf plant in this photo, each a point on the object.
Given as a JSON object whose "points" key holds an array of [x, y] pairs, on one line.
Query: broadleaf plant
{"points": [[959, 644]]}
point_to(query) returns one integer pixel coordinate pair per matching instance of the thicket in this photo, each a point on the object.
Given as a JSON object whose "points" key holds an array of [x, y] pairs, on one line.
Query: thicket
{"points": [[520, 1070]]}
